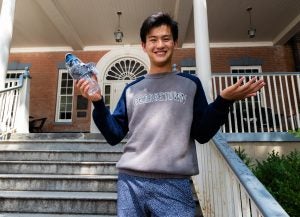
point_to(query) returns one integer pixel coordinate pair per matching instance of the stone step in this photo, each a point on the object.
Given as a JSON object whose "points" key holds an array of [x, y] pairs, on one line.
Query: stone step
{"points": [[59, 155], [57, 136], [44, 182], [37, 145], [58, 167], [58, 202]]}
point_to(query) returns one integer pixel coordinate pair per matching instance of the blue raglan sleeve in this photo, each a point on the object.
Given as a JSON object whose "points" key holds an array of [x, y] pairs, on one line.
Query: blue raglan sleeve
{"points": [[113, 127], [207, 118]]}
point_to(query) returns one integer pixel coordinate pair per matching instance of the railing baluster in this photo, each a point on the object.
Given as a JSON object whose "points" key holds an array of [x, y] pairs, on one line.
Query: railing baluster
{"points": [[275, 108], [229, 116], [246, 212], [253, 114], [296, 102], [277, 103], [289, 103], [247, 114], [234, 111], [242, 116], [283, 104], [265, 104]]}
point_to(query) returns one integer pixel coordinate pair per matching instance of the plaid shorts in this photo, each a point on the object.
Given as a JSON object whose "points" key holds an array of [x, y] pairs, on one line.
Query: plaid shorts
{"points": [[143, 197]]}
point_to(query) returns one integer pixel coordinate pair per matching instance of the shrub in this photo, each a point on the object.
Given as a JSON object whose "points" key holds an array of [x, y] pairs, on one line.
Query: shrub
{"points": [[281, 176], [296, 133], [244, 156]]}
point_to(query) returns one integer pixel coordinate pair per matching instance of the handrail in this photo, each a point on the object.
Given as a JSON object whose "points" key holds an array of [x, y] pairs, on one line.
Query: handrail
{"points": [[264, 201], [227, 187], [14, 106], [21, 79]]}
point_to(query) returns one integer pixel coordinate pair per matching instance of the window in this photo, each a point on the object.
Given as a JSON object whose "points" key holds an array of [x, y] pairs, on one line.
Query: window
{"points": [[247, 112], [248, 71], [245, 69], [107, 95], [191, 70], [12, 77], [126, 69], [65, 91]]}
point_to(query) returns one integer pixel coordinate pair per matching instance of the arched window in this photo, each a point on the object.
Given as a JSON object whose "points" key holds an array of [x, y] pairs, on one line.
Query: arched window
{"points": [[126, 68]]}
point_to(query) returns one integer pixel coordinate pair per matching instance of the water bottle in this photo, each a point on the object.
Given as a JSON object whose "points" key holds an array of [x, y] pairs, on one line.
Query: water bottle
{"points": [[78, 70]]}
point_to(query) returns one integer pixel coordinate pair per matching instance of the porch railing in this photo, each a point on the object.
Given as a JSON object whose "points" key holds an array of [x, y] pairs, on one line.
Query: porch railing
{"points": [[226, 187], [13, 107], [276, 108]]}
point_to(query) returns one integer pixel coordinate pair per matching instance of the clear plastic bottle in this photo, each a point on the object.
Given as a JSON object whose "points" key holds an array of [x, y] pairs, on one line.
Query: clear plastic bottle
{"points": [[78, 70]]}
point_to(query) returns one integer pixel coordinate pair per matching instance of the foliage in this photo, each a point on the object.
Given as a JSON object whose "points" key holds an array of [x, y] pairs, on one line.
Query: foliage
{"points": [[244, 157], [281, 176], [296, 133]]}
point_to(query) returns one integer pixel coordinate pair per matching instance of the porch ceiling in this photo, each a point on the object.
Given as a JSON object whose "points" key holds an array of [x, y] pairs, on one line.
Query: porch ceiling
{"points": [[80, 25]]}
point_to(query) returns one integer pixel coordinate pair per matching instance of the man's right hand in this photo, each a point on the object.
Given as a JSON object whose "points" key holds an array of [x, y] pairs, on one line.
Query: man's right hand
{"points": [[83, 86]]}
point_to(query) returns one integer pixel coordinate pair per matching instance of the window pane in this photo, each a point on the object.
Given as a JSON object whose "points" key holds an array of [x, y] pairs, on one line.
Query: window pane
{"points": [[69, 99], [63, 91], [70, 83], [107, 89], [63, 83], [68, 115], [62, 115], [64, 76], [69, 107], [63, 99], [69, 91], [107, 100]]}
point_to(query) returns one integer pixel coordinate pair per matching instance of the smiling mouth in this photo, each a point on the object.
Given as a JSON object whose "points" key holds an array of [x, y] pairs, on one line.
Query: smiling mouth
{"points": [[160, 53]]}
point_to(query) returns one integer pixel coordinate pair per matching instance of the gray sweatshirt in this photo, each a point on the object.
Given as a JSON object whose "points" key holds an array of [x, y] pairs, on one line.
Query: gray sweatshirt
{"points": [[161, 115]]}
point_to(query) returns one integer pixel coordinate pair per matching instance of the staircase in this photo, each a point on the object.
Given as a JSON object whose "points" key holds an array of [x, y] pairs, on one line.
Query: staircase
{"points": [[50, 174], [63, 174]]}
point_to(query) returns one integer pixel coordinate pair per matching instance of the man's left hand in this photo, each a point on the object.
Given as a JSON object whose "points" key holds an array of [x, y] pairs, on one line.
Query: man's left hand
{"points": [[240, 91]]}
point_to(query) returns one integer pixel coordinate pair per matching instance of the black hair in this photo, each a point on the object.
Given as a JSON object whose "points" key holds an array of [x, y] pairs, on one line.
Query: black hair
{"points": [[157, 20]]}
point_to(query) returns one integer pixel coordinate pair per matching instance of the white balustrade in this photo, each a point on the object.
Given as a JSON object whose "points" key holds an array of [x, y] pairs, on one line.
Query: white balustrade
{"points": [[274, 109], [226, 187]]}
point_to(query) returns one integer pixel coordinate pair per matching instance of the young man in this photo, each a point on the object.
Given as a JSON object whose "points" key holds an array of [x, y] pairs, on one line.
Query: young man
{"points": [[162, 114]]}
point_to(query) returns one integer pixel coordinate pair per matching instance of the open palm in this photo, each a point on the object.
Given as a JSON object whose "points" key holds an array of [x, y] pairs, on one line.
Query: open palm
{"points": [[239, 90]]}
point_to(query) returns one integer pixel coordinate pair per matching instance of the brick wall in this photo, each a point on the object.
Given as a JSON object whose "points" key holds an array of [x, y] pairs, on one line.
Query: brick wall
{"points": [[44, 72], [274, 59]]}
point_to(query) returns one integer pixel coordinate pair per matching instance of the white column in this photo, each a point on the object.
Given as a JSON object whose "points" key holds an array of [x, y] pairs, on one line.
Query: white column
{"points": [[22, 116], [203, 64], [6, 29]]}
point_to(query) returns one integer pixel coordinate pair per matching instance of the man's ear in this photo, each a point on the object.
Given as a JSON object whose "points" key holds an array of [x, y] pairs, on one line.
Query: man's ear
{"points": [[175, 44], [143, 46]]}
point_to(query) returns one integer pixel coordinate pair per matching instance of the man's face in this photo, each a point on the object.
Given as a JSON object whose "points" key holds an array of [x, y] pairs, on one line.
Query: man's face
{"points": [[160, 46]]}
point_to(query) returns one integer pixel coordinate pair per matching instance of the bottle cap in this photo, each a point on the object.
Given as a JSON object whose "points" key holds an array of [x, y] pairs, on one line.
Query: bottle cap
{"points": [[71, 59]]}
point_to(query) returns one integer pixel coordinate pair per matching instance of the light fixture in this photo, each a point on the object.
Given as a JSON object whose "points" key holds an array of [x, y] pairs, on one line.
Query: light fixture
{"points": [[251, 29], [118, 34]]}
